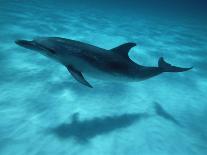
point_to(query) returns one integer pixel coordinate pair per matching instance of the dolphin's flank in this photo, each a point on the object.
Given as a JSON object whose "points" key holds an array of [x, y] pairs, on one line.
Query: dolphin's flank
{"points": [[84, 59]]}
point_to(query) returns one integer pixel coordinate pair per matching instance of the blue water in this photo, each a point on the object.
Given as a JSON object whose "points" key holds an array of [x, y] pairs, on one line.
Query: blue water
{"points": [[45, 111]]}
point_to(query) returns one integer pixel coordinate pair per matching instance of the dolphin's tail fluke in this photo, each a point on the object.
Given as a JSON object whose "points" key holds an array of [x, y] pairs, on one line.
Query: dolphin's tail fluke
{"points": [[166, 67]]}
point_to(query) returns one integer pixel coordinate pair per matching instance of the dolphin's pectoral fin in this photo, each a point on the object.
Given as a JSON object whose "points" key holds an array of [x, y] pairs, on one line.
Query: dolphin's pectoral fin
{"points": [[123, 49], [78, 76]]}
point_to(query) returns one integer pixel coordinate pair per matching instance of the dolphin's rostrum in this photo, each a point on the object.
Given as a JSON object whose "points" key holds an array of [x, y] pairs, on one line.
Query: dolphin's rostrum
{"points": [[83, 59]]}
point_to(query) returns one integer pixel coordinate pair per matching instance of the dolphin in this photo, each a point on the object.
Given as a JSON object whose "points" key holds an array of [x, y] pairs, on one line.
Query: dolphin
{"points": [[82, 59]]}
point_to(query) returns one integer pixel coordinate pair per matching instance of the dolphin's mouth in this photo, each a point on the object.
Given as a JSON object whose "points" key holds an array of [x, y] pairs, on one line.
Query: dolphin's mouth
{"points": [[25, 43], [33, 45]]}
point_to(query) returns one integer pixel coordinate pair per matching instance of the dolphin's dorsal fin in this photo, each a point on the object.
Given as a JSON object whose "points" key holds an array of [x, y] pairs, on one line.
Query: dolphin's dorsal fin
{"points": [[123, 49], [78, 76]]}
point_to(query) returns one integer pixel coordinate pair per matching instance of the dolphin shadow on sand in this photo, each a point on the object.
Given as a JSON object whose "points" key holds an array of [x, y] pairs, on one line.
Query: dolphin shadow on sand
{"points": [[83, 131], [160, 111]]}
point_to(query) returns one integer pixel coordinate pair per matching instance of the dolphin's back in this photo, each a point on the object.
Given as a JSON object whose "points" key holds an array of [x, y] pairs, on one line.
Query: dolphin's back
{"points": [[73, 45]]}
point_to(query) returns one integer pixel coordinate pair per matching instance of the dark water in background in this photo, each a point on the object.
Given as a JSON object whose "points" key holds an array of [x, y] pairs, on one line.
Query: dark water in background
{"points": [[45, 111]]}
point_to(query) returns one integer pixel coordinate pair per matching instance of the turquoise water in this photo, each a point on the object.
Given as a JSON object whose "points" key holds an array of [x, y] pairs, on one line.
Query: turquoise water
{"points": [[45, 111]]}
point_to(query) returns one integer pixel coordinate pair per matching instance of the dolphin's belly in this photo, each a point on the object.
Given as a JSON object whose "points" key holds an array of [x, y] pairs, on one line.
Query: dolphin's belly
{"points": [[96, 72], [100, 70]]}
